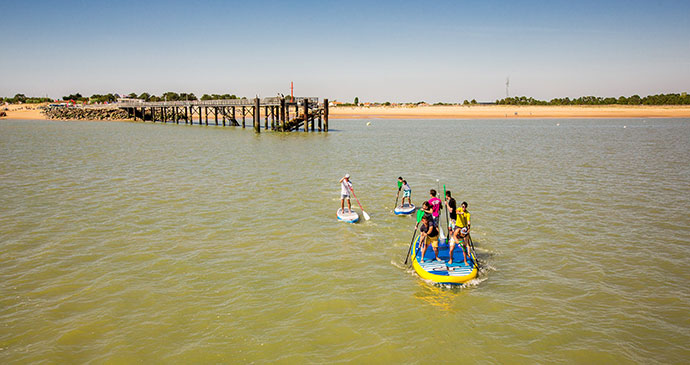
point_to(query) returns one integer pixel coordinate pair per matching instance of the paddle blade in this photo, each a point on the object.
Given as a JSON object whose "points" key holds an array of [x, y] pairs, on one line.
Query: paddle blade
{"points": [[366, 216], [420, 214]]}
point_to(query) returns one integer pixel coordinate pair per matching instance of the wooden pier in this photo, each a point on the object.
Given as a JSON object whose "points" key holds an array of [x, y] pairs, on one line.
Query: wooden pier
{"points": [[279, 114]]}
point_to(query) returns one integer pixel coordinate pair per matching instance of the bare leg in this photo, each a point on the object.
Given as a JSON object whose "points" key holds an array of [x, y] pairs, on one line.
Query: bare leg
{"points": [[465, 249], [450, 252], [349, 207], [342, 205]]}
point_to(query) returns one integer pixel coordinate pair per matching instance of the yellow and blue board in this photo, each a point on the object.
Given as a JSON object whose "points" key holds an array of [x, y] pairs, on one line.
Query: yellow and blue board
{"points": [[440, 271]]}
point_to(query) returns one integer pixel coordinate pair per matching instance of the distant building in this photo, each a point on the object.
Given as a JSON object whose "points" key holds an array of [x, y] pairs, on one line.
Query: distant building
{"points": [[129, 100]]}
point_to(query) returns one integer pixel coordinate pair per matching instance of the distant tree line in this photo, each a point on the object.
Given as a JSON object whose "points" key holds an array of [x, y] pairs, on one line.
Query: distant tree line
{"points": [[111, 98], [660, 99], [21, 98], [219, 97]]}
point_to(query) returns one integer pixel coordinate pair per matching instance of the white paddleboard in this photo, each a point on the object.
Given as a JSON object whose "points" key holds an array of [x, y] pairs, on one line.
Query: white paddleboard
{"points": [[347, 216], [405, 209]]}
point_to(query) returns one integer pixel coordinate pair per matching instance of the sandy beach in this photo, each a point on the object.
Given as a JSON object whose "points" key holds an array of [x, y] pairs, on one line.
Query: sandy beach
{"points": [[23, 111], [507, 111], [32, 111]]}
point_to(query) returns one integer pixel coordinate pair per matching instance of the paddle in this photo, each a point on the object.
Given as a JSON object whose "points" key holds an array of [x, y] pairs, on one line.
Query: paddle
{"points": [[366, 216], [420, 214], [447, 213], [475, 262], [398, 194]]}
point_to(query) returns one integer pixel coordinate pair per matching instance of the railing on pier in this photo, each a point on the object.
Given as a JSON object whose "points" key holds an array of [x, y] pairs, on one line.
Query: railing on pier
{"points": [[270, 101]]}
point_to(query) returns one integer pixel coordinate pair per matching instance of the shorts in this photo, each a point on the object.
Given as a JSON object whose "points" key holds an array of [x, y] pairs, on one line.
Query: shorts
{"points": [[432, 240], [406, 193], [453, 242], [344, 196]]}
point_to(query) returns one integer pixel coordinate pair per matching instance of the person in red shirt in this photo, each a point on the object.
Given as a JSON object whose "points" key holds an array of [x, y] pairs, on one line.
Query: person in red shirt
{"points": [[435, 206]]}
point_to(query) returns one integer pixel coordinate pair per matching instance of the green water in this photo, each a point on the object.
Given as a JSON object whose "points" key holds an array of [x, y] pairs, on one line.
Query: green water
{"points": [[132, 242]]}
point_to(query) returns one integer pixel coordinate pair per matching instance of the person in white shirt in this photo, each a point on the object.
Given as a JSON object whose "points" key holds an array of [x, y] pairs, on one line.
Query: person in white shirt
{"points": [[345, 189]]}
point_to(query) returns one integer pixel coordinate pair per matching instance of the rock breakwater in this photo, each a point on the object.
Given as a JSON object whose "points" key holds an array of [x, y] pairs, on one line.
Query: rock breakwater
{"points": [[76, 113]]}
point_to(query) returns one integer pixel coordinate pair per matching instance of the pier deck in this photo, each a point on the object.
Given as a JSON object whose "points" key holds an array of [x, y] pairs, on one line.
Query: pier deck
{"points": [[284, 114]]}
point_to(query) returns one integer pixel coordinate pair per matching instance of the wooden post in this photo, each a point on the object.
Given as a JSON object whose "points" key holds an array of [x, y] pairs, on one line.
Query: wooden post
{"points": [[257, 115], [186, 115], [215, 109], [266, 117], [282, 113], [306, 114], [223, 115], [234, 120], [325, 115], [243, 115]]}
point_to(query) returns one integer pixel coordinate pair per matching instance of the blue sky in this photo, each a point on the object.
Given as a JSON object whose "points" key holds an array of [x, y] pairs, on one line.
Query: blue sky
{"points": [[444, 51]]}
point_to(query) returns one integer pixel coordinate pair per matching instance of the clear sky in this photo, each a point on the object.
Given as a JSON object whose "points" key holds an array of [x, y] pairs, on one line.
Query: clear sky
{"points": [[433, 51]]}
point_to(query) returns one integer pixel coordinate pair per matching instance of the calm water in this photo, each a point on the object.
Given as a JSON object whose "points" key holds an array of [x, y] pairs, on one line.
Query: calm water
{"points": [[126, 242]]}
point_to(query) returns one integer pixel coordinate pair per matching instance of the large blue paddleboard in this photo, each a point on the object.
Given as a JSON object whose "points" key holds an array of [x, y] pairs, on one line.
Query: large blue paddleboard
{"points": [[441, 271]]}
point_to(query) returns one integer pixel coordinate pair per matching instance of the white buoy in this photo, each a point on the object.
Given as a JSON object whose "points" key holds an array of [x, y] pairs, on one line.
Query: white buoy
{"points": [[368, 123], [557, 124], [625, 126]]}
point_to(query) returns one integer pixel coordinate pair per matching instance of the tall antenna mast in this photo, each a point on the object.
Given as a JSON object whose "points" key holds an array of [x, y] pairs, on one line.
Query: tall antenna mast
{"points": [[507, 86]]}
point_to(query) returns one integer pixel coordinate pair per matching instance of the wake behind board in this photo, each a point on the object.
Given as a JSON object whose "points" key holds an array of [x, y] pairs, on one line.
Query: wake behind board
{"points": [[440, 271], [404, 209], [347, 216]]}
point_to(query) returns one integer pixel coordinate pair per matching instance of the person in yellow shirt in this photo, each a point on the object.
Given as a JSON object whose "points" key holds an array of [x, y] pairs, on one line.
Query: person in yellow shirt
{"points": [[463, 220]]}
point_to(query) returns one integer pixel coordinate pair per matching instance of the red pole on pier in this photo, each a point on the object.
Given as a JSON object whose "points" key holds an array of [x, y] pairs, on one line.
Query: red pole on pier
{"points": [[292, 96]]}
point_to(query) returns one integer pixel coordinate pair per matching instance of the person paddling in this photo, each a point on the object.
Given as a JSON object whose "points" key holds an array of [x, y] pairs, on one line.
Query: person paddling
{"points": [[400, 184], [428, 235], [463, 217], [407, 193], [345, 188], [451, 205], [435, 206], [457, 237]]}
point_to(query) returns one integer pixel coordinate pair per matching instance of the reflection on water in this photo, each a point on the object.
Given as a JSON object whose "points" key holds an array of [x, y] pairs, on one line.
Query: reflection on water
{"points": [[130, 242]]}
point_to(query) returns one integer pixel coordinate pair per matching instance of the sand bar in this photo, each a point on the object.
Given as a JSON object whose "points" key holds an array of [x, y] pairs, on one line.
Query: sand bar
{"points": [[31, 111], [505, 111]]}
